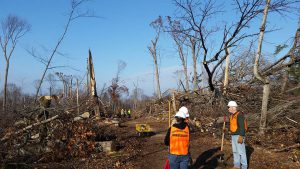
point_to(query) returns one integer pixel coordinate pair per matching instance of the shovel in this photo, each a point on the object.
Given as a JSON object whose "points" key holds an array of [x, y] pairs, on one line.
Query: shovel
{"points": [[221, 159]]}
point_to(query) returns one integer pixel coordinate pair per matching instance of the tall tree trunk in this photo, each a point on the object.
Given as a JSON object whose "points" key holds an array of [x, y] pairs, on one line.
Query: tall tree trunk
{"points": [[5, 86], [202, 77], [77, 96], [264, 80], [184, 65], [70, 89], [153, 52], [186, 78], [158, 26], [194, 56], [195, 77], [285, 80], [264, 107], [226, 74], [157, 78]]}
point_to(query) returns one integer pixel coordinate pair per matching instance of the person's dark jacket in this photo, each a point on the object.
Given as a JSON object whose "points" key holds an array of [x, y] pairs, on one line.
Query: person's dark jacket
{"points": [[177, 125], [241, 125]]}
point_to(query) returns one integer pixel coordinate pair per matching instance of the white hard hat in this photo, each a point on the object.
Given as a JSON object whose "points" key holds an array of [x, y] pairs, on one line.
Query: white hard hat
{"points": [[185, 111], [180, 114], [232, 104]]}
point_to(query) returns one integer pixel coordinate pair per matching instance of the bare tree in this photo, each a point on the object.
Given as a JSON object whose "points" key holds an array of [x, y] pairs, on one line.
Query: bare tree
{"points": [[52, 82], [180, 39], [197, 15], [280, 64], [14, 95], [157, 25], [265, 80], [13, 28], [116, 89], [136, 94], [178, 76], [241, 66], [195, 48], [73, 15], [64, 79]]}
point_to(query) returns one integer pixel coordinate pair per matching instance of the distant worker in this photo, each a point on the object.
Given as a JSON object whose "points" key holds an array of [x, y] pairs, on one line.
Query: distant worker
{"points": [[238, 130], [129, 113], [178, 139]]}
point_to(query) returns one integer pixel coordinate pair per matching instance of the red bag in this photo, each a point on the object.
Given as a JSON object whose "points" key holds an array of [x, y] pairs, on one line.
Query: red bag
{"points": [[167, 164]]}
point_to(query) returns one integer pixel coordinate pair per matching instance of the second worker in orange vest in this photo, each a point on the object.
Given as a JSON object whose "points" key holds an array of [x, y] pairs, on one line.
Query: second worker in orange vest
{"points": [[178, 140]]}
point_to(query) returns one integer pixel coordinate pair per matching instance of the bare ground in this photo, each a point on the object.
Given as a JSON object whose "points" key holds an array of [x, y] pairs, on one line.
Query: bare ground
{"points": [[150, 152]]}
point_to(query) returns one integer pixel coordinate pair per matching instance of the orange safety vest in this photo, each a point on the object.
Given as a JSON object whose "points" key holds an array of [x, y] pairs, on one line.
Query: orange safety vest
{"points": [[179, 141], [234, 123]]}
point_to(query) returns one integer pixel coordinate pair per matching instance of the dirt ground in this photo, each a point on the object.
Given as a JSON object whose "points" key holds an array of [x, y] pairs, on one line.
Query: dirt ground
{"points": [[150, 152], [205, 151]]}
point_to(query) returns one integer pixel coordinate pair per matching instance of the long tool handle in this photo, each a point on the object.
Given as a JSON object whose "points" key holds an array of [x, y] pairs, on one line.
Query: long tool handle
{"points": [[169, 113], [223, 134]]}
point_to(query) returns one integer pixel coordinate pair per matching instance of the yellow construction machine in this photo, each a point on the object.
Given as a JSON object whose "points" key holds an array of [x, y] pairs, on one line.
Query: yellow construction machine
{"points": [[143, 129]]}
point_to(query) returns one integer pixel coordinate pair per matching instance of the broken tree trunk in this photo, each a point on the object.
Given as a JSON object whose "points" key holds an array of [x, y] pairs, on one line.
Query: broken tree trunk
{"points": [[93, 86]]}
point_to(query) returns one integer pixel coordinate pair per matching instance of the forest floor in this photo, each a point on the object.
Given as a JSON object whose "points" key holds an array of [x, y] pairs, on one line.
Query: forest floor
{"points": [[150, 152]]}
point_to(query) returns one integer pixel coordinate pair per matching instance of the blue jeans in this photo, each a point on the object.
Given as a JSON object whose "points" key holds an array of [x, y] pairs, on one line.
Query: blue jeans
{"points": [[239, 152], [178, 161]]}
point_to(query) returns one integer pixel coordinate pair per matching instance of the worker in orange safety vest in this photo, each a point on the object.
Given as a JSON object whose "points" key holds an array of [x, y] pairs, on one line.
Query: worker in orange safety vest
{"points": [[238, 128], [178, 140]]}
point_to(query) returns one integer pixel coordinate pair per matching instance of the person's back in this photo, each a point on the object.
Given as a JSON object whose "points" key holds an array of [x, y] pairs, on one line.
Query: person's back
{"points": [[178, 138]]}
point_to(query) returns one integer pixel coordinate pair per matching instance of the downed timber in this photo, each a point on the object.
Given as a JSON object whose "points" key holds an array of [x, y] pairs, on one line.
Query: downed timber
{"points": [[278, 127], [280, 109], [291, 120], [293, 89], [287, 148], [29, 127]]}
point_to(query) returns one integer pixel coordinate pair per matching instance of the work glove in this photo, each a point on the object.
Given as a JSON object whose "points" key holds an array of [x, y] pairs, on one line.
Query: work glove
{"points": [[240, 139]]}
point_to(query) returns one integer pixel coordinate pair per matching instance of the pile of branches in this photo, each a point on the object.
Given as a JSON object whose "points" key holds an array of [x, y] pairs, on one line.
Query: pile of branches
{"points": [[37, 138]]}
